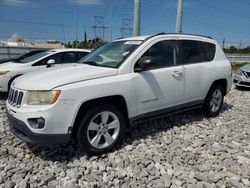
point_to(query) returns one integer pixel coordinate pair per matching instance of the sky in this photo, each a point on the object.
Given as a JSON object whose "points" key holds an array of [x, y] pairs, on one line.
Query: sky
{"points": [[58, 19]]}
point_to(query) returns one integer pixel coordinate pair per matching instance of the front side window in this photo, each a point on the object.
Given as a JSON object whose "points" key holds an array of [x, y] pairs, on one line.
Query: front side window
{"points": [[163, 53], [56, 57], [111, 54]]}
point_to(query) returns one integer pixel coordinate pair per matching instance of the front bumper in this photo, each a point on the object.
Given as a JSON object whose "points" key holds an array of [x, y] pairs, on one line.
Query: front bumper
{"points": [[20, 129], [241, 81]]}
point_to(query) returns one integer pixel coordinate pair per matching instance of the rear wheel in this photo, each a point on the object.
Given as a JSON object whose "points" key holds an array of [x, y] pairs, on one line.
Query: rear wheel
{"points": [[101, 129], [213, 101]]}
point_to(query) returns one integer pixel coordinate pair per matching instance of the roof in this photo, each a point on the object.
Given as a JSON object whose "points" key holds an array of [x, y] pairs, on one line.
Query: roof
{"points": [[134, 38], [69, 50], [166, 34]]}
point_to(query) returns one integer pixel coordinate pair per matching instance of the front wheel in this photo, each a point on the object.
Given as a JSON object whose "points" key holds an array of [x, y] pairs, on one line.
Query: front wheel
{"points": [[213, 101], [101, 129]]}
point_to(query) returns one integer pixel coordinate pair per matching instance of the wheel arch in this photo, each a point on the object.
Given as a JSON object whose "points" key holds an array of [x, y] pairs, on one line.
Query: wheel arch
{"points": [[222, 82], [116, 100], [13, 78]]}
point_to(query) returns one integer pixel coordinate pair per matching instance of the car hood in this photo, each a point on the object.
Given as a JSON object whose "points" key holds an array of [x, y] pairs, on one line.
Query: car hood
{"points": [[11, 65], [246, 68], [47, 79]]}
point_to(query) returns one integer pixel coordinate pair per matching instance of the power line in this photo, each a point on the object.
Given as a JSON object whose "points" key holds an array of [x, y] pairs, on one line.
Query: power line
{"points": [[222, 10], [42, 23], [217, 26]]}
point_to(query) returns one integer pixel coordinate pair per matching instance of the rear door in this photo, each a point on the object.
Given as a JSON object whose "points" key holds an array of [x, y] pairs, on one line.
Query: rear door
{"points": [[196, 57]]}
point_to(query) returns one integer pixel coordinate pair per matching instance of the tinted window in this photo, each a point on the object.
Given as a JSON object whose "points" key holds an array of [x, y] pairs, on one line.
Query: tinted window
{"points": [[196, 51], [56, 57], [80, 55], [67, 57], [163, 53], [207, 51], [190, 51]]}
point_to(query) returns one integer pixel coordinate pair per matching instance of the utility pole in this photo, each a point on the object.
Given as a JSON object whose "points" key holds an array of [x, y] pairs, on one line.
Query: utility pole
{"points": [[76, 24], [99, 28], [179, 16], [240, 46], [223, 43], [137, 18], [126, 29]]}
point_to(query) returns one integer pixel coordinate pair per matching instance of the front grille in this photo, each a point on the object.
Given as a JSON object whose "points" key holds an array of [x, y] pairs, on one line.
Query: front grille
{"points": [[247, 74], [15, 97], [245, 83]]}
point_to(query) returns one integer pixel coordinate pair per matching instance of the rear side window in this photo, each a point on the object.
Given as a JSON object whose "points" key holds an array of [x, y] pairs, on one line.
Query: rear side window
{"points": [[67, 57], [196, 51], [190, 51], [207, 51], [80, 55]]}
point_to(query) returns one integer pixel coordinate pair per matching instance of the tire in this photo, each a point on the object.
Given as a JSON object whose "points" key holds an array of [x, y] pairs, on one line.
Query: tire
{"points": [[95, 135], [239, 87], [213, 101]]}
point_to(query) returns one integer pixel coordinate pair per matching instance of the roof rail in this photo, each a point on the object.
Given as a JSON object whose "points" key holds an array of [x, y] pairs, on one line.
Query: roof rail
{"points": [[163, 33]]}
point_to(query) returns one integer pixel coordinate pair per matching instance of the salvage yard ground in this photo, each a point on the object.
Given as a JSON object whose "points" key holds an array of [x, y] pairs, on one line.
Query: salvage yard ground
{"points": [[185, 150]]}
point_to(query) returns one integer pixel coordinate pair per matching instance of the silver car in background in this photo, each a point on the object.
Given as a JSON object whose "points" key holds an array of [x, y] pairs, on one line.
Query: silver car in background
{"points": [[242, 77]]}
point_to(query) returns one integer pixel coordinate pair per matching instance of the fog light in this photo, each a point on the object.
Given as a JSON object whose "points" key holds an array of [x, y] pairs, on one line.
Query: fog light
{"points": [[37, 123]]}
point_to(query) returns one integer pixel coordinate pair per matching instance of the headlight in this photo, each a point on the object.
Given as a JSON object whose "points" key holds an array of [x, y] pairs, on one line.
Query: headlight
{"points": [[239, 72], [3, 72], [42, 97]]}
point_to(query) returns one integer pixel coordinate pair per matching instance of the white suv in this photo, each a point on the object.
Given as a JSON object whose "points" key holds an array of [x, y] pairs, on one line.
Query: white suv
{"points": [[117, 85], [11, 70]]}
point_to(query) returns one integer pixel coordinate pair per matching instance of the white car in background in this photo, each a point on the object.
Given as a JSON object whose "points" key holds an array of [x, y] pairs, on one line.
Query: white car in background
{"points": [[242, 77], [11, 70]]}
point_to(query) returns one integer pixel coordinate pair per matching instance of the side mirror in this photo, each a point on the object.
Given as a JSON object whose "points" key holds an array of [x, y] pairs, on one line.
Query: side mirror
{"points": [[50, 62], [145, 63]]}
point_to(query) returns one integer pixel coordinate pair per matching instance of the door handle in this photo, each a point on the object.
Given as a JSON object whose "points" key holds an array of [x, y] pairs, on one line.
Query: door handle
{"points": [[177, 73]]}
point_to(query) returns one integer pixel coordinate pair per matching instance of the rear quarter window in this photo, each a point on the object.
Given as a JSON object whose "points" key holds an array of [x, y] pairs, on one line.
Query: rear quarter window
{"points": [[196, 51], [207, 51]]}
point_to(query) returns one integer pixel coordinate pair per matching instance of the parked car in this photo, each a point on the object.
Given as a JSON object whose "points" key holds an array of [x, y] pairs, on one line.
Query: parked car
{"points": [[22, 56], [11, 70], [242, 77], [116, 86]]}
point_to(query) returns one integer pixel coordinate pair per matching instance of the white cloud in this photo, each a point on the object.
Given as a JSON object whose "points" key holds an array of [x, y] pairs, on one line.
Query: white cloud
{"points": [[86, 2], [15, 2]]}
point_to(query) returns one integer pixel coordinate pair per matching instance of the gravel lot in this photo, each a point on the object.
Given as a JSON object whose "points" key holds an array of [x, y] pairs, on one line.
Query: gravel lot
{"points": [[185, 150]]}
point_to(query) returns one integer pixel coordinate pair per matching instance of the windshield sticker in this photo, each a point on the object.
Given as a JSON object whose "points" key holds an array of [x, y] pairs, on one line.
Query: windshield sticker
{"points": [[136, 42]]}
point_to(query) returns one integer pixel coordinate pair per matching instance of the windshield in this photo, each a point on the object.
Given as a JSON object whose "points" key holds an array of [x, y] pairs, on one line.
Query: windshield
{"points": [[111, 54], [27, 54], [34, 57]]}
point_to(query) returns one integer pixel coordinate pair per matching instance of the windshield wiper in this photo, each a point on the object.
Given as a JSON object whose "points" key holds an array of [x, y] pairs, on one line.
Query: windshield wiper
{"points": [[91, 63]]}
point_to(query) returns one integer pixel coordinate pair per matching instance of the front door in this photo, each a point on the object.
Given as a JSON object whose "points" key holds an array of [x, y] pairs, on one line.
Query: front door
{"points": [[161, 86]]}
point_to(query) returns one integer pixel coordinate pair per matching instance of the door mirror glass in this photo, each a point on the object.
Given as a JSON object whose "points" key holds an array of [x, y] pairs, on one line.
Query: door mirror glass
{"points": [[146, 62], [51, 61]]}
